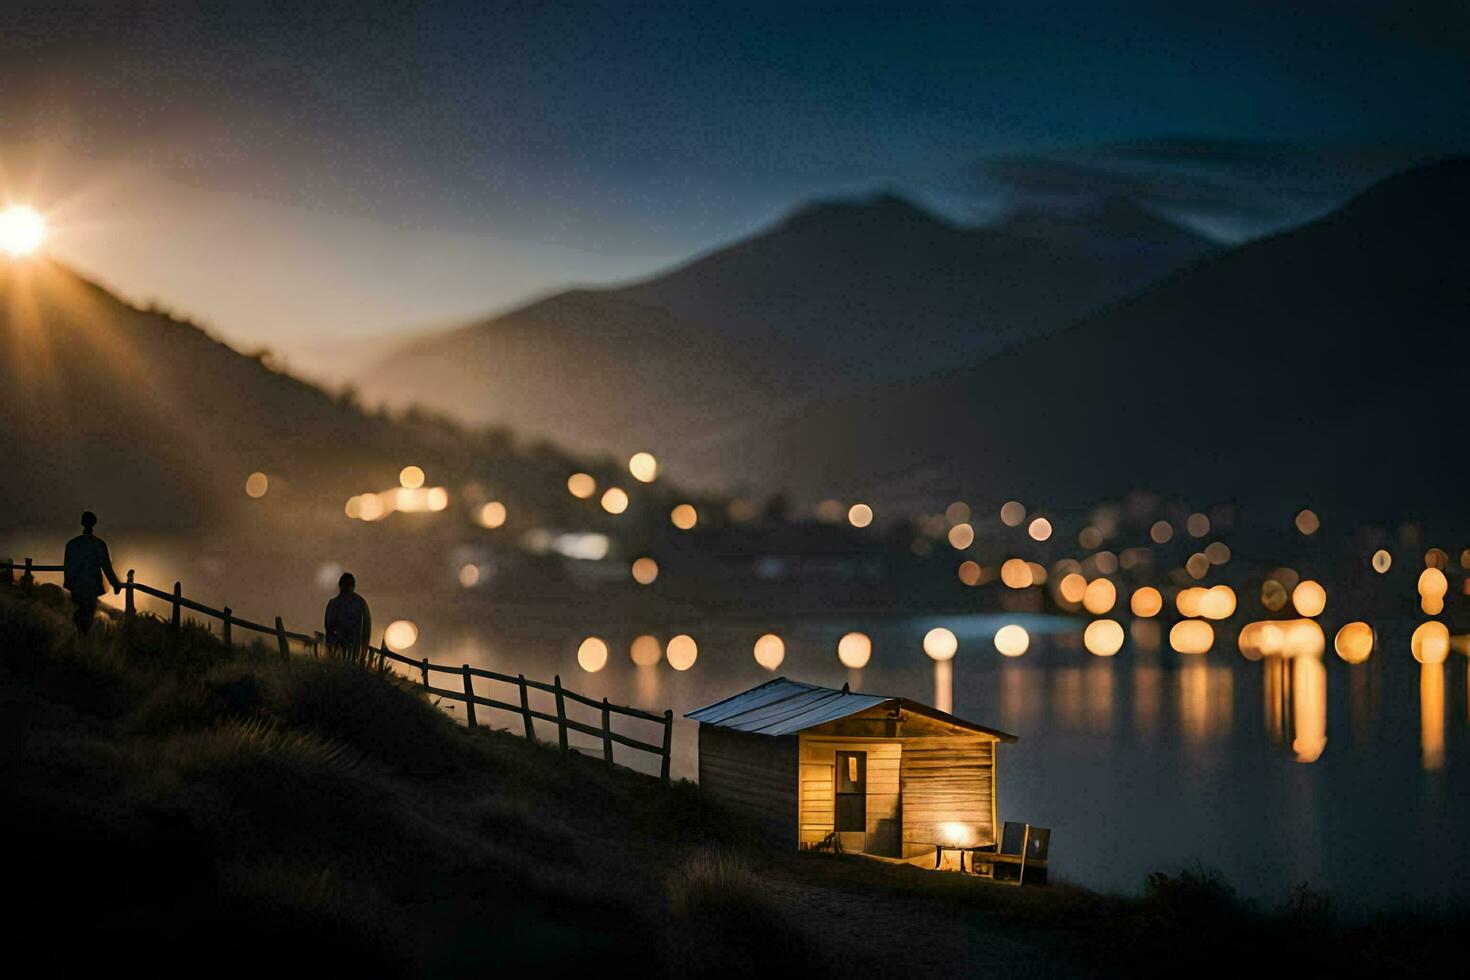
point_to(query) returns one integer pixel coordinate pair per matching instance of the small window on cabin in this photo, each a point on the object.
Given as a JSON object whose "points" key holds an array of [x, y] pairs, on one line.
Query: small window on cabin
{"points": [[852, 769]]}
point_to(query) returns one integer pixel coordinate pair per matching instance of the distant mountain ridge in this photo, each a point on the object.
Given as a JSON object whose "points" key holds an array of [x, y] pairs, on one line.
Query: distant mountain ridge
{"points": [[1321, 364], [837, 294]]}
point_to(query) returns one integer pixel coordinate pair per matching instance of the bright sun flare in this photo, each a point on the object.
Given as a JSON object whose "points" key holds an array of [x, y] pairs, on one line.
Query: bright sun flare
{"points": [[22, 230]]}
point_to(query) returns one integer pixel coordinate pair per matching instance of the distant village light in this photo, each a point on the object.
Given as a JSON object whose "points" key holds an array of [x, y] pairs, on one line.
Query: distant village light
{"points": [[401, 634], [592, 655], [681, 652], [854, 650], [770, 650], [1012, 640], [644, 467], [941, 644]]}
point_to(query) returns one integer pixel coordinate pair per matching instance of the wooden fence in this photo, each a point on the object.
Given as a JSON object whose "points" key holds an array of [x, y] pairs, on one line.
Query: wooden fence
{"points": [[465, 695]]}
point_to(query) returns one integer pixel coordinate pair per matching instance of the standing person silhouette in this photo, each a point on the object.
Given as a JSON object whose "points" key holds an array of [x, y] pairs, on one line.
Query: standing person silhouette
{"points": [[86, 562], [349, 624]]}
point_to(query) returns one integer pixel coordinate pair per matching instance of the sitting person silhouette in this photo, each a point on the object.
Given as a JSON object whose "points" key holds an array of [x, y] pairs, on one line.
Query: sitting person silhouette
{"points": [[86, 562], [349, 624]]}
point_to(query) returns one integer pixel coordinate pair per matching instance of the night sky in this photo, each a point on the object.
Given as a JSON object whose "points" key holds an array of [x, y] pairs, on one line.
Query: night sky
{"points": [[363, 168]]}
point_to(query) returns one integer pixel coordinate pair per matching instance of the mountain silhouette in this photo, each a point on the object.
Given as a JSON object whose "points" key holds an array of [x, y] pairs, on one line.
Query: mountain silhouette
{"points": [[838, 294], [1319, 365]]}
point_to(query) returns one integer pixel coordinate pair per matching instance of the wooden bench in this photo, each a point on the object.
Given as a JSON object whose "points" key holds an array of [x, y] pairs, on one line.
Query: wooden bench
{"points": [[1022, 847]]}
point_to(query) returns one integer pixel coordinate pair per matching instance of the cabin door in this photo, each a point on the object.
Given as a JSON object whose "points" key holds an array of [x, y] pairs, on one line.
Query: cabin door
{"points": [[851, 791]]}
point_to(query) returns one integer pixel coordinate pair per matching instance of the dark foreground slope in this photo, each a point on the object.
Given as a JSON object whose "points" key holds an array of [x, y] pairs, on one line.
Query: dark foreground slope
{"points": [[174, 808], [1324, 365]]}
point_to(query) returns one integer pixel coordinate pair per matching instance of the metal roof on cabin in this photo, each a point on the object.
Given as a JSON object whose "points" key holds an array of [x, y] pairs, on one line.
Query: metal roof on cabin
{"points": [[784, 707]]}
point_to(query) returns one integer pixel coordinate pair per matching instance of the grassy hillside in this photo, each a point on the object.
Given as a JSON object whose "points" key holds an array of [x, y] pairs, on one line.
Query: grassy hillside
{"points": [[184, 808]]}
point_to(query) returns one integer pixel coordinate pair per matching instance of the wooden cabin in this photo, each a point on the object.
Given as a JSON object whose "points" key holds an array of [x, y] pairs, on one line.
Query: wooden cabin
{"points": [[881, 775]]}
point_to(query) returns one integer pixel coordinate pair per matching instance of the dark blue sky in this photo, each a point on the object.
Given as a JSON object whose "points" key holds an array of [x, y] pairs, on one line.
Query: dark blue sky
{"points": [[558, 142]]}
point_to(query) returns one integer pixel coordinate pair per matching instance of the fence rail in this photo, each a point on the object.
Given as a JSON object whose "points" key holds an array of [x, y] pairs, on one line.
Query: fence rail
{"points": [[465, 695]]}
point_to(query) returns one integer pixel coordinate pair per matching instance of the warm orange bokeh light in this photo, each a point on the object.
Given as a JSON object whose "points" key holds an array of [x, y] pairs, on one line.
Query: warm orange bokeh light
{"points": [[770, 650], [1012, 640], [1146, 602], [854, 650], [1103, 637], [684, 517], [682, 651], [1354, 642], [592, 654], [1191, 636], [645, 570], [940, 644], [1099, 596], [581, 485]]}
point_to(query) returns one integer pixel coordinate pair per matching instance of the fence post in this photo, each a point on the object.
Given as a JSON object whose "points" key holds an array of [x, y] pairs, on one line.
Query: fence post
{"points": [[469, 697], [526, 710], [424, 666], [178, 594], [225, 628], [26, 577], [606, 733], [668, 743], [561, 714], [283, 644], [129, 609], [9, 571]]}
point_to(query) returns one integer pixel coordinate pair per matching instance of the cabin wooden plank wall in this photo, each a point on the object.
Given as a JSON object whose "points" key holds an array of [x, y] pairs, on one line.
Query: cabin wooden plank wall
{"points": [[752, 775], [946, 778], [818, 783]]}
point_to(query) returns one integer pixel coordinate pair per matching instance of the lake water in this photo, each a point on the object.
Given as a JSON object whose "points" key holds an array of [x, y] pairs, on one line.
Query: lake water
{"points": [[1353, 778]]}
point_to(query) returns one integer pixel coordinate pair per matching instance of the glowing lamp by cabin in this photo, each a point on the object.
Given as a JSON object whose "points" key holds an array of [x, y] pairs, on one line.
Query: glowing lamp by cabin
{"points": [[854, 650], [1354, 642], [681, 652], [940, 644]]}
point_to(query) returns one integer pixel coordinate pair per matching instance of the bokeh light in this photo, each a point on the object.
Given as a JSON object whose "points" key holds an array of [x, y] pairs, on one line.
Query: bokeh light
{"points": [[469, 575], [411, 477], [961, 536], [1013, 513], [1073, 587], [770, 650], [1430, 643], [615, 500], [1432, 588], [645, 570], [1146, 602], [859, 515], [1307, 522], [684, 517], [1382, 561], [645, 651], [682, 651], [1309, 598], [1016, 573], [854, 650], [1354, 642], [643, 466], [1103, 637], [1040, 529], [957, 512], [1198, 525], [1161, 532], [256, 485], [581, 485], [22, 230], [1099, 596], [401, 634], [1011, 640], [493, 514], [1191, 636], [592, 654], [940, 644], [969, 572]]}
